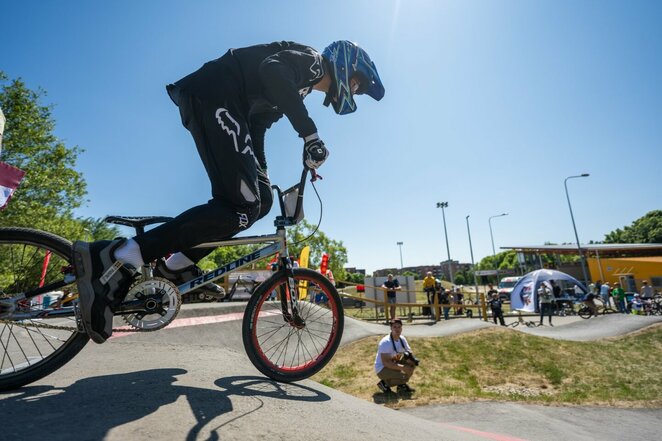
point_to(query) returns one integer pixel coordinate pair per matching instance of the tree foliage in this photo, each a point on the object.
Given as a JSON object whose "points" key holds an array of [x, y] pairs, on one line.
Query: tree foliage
{"points": [[52, 188], [319, 244], [646, 229]]}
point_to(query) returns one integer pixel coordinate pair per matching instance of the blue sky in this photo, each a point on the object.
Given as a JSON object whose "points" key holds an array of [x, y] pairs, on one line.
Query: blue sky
{"points": [[489, 105]]}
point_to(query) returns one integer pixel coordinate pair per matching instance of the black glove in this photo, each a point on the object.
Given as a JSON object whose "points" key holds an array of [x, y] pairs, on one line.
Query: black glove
{"points": [[314, 152]]}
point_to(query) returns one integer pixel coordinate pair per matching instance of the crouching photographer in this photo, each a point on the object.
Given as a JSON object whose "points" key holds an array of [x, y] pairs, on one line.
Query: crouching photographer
{"points": [[395, 362]]}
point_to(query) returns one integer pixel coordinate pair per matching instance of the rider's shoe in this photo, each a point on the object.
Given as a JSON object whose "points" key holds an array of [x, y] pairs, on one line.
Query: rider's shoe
{"points": [[184, 275], [103, 282]]}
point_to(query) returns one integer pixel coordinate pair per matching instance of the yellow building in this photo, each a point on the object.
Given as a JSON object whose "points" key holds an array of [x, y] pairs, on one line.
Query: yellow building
{"points": [[628, 264], [628, 271]]}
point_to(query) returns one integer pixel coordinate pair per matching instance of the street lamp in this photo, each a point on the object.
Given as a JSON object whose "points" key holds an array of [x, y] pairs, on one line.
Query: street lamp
{"points": [[400, 245], [473, 266], [443, 205], [489, 221], [581, 255]]}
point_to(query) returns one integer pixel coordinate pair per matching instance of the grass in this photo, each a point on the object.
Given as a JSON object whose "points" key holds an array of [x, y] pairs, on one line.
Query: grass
{"points": [[503, 364]]}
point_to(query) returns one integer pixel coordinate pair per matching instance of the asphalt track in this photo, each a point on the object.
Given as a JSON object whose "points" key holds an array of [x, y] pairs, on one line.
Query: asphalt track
{"points": [[193, 381]]}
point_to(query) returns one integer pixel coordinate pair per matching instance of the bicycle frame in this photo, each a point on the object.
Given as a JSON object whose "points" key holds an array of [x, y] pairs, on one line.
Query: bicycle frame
{"points": [[277, 244]]}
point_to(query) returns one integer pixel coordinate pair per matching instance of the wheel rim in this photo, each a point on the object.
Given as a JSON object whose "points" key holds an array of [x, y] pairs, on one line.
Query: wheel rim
{"points": [[27, 343], [284, 348]]}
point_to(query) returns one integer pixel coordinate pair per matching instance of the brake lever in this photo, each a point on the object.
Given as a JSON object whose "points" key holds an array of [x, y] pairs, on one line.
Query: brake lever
{"points": [[314, 176]]}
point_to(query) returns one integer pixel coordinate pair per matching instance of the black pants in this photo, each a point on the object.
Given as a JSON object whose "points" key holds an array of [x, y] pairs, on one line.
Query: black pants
{"points": [[241, 192], [498, 313], [546, 307]]}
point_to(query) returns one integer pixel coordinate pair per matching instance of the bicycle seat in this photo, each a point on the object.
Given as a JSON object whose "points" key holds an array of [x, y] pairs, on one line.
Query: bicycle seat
{"points": [[137, 222]]}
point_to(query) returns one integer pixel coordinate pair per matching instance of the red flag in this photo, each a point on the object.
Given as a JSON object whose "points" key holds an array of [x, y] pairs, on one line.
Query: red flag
{"points": [[44, 268], [10, 177], [325, 263]]}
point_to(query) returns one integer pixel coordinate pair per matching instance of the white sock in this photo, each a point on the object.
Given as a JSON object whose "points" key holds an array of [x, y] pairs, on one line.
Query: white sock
{"points": [[178, 261], [130, 253]]}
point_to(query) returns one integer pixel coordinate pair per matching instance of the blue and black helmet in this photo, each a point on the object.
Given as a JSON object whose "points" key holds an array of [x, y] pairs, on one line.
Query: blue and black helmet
{"points": [[346, 61]]}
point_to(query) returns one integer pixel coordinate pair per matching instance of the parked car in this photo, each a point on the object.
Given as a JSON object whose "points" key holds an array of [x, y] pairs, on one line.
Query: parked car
{"points": [[506, 286]]}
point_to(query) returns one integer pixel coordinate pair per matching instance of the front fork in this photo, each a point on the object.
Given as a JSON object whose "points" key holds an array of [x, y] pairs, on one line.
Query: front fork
{"points": [[289, 296]]}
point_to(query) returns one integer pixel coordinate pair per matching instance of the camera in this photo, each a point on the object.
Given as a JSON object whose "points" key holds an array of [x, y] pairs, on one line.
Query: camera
{"points": [[406, 355]]}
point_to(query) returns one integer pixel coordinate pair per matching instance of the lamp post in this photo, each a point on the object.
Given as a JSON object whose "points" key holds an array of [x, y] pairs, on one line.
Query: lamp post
{"points": [[443, 205], [400, 245], [572, 217], [473, 266], [489, 221]]}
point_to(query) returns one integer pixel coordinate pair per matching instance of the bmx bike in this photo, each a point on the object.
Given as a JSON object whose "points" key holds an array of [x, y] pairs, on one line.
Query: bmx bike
{"points": [[287, 338]]}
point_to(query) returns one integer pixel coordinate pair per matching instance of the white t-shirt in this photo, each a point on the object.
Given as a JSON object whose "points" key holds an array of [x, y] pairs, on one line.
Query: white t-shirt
{"points": [[386, 347]]}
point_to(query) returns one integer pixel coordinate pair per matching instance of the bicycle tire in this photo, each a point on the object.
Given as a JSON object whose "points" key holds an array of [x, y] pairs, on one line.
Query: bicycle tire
{"points": [[281, 351], [21, 255], [606, 311], [584, 312]]}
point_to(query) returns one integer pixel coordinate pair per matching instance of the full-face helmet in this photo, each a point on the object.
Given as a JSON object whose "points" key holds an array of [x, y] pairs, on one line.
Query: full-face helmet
{"points": [[348, 61]]}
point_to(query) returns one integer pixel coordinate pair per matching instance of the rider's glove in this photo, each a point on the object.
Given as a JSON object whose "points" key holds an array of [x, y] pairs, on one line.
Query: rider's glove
{"points": [[314, 152]]}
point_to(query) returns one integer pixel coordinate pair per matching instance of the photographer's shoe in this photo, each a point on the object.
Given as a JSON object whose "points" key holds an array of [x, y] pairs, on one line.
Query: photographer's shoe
{"points": [[103, 282], [184, 275], [404, 388], [384, 387]]}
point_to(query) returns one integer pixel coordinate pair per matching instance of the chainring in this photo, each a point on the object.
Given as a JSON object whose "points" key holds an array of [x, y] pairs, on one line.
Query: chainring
{"points": [[161, 300]]}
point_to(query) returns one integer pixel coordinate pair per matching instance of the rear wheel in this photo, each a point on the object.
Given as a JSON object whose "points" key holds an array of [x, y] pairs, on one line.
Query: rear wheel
{"points": [[608, 311], [33, 348], [584, 312], [282, 350]]}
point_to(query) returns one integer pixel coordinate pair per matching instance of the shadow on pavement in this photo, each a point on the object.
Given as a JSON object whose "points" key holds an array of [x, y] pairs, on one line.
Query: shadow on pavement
{"points": [[91, 407]]}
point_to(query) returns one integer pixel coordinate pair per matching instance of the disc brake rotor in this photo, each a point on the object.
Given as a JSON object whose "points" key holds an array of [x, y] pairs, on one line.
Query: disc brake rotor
{"points": [[161, 301]]}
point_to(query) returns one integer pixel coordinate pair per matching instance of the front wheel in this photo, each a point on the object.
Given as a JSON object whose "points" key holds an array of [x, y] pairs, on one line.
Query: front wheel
{"points": [[584, 312], [282, 349]]}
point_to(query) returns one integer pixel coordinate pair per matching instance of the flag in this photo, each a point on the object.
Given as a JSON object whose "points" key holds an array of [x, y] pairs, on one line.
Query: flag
{"points": [[10, 177], [303, 263]]}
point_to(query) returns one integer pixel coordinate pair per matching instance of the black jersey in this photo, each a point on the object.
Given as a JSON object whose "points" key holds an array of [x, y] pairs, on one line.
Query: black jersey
{"points": [[271, 80]]}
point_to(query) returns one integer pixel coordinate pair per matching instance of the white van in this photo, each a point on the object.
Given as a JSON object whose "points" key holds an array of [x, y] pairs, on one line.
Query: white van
{"points": [[506, 286]]}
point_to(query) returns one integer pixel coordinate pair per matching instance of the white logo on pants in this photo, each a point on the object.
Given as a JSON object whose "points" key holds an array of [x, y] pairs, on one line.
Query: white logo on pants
{"points": [[232, 128]]}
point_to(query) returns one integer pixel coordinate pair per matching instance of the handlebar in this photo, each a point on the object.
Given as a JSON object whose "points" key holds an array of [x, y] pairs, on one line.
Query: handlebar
{"points": [[298, 189]]}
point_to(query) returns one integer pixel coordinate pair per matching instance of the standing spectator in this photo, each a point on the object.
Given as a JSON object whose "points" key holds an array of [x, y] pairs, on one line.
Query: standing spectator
{"points": [[495, 306], [589, 301], [592, 287], [546, 297], [444, 300], [556, 292], [391, 368], [647, 291], [391, 285], [619, 298], [604, 293], [598, 287], [491, 291]]}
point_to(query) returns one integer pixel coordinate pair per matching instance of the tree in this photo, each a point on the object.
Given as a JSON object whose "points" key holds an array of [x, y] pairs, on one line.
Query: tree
{"points": [[319, 243], [646, 229], [52, 188]]}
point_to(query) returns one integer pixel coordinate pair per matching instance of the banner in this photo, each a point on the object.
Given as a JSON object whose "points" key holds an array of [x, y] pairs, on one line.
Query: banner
{"points": [[303, 263], [10, 178]]}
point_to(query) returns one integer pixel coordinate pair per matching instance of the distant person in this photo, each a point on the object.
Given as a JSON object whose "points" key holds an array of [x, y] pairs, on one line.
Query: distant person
{"points": [[392, 365], [429, 287], [591, 287], [637, 304], [444, 299], [647, 291], [589, 301], [391, 285], [497, 311], [545, 298], [619, 297], [491, 291], [605, 294]]}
